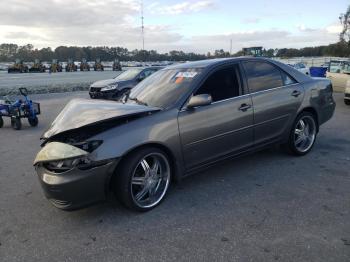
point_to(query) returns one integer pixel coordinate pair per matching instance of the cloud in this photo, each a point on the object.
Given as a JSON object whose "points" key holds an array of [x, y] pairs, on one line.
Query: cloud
{"points": [[23, 35], [273, 38], [79, 22], [303, 28], [251, 20], [334, 29], [180, 8], [117, 23]]}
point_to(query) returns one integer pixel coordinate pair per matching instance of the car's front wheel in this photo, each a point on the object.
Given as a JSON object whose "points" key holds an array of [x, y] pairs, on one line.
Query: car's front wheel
{"points": [[303, 134], [347, 102], [123, 92], [143, 179]]}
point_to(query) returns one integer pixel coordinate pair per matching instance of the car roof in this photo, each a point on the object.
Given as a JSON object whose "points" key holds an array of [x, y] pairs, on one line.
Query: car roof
{"points": [[300, 77]]}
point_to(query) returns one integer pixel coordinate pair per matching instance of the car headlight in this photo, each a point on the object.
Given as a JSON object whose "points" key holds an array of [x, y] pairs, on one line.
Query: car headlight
{"points": [[109, 87], [60, 157]]}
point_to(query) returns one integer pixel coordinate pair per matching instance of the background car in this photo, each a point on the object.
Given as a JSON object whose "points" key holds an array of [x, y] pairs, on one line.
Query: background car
{"points": [[178, 121], [122, 84], [339, 73], [302, 68]]}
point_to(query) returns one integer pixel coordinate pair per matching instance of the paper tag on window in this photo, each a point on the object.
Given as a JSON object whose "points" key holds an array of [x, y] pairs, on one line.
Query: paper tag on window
{"points": [[186, 74]]}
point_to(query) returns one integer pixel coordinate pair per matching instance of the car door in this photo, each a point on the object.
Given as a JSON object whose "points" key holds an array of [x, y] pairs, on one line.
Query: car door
{"points": [[221, 128], [276, 98]]}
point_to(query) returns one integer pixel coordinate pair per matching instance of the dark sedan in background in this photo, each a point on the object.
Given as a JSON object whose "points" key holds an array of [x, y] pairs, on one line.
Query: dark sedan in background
{"points": [[179, 120], [122, 84]]}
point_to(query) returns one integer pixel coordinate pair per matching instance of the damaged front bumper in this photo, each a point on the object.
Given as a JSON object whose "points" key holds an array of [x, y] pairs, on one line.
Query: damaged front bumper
{"points": [[76, 188], [104, 94], [70, 178]]}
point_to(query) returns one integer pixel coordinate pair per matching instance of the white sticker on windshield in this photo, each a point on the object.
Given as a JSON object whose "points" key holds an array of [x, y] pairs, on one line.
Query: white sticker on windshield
{"points": [[186, 74]]}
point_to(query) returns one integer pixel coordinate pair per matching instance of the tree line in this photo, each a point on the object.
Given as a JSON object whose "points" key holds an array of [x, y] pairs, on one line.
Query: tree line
{"points": [[10, 52]]}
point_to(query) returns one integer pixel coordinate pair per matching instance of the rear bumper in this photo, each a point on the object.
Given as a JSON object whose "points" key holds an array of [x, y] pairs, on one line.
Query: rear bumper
{"points": [[76, 188]]}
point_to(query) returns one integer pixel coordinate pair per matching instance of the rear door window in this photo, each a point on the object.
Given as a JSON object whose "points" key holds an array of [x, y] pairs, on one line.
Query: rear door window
{"points": [[262, 76]]}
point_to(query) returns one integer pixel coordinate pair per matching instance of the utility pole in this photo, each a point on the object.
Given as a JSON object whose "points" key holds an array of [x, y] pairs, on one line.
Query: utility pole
{"points": [[230, 46], [142, 27]]}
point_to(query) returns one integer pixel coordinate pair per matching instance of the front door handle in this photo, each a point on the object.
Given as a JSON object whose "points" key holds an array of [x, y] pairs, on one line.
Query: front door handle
{"points": [[296, 93], [244, 107]]}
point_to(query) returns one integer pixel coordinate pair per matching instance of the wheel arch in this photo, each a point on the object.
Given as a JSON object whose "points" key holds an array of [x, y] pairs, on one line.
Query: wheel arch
{"points": [[171, 156], [314, 113]]}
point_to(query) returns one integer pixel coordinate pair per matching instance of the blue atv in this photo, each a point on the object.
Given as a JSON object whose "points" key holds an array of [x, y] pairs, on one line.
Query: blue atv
{"points": [[19, 109]]}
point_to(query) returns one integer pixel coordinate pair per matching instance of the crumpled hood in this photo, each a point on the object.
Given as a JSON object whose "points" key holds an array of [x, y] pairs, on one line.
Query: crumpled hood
{"points": [[104, 83], [84, 112]]}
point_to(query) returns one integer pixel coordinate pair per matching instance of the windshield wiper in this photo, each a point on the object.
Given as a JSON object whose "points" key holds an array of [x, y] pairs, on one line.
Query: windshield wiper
{"points": [[137, 101]]}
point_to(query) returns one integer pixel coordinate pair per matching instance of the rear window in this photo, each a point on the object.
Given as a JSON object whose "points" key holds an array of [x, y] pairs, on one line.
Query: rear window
{"points": [[262, 76]]}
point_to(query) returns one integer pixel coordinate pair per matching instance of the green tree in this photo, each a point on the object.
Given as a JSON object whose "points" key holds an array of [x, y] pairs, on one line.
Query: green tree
{"points": [[345, 21]]}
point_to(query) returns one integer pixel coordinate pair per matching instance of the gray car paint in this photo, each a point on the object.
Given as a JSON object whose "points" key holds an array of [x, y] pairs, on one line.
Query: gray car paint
{"points": [[196, 138]]}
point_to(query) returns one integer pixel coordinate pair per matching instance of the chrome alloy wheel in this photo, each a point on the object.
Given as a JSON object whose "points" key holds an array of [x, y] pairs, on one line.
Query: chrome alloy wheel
{"points": [[150, 180], [304, 133]]}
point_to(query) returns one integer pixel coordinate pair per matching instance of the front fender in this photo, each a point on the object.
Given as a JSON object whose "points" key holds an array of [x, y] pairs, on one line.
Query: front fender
{"points": [[160, 128]]}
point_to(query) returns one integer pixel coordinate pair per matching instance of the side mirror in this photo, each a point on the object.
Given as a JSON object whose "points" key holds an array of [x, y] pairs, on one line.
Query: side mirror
{"points": [[200, 100]]}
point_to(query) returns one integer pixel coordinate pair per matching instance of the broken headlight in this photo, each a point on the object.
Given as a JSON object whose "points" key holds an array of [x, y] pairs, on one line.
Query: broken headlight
{"points": [[67, 164], [61, 157]]}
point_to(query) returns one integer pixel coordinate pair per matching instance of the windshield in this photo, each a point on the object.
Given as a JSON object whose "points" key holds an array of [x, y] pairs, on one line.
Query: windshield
{"points": [[164, 88], [129, 74]]}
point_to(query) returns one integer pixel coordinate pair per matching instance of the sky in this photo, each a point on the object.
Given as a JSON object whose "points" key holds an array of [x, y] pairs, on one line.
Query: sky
{"points": [[199, 26]]}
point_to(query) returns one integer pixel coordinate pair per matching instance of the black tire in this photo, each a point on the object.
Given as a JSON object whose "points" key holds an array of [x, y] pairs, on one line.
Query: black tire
{"points": [[16, 123], [33, 121], [347, 102], [292, 144], [123, 186], [123, 92], [1, 122]]}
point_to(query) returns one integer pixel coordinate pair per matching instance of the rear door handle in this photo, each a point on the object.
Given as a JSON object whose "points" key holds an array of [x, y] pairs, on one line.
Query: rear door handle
{"points": [[244, 107], [296, 93]]}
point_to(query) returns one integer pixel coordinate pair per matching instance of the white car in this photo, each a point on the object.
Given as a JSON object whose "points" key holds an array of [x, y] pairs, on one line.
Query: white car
{"points": [[302, 68]]}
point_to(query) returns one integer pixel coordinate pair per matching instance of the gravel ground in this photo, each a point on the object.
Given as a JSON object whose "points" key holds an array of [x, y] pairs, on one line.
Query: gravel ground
{"points": [[51, 83], [268, 206]]}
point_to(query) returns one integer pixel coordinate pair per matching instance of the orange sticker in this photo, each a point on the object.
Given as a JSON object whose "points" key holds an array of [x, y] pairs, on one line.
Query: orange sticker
{"points": [[179, 80]]}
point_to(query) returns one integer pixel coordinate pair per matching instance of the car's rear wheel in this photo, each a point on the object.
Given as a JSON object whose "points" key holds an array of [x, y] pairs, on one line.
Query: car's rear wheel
{"points": [[347, 102], [1, 122], [303, 134], [143, 179]]}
